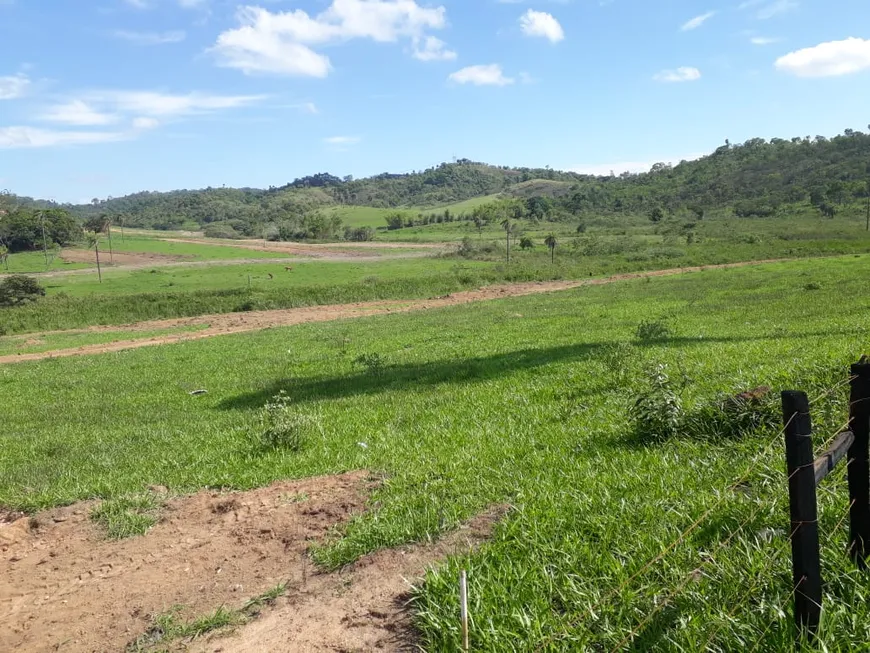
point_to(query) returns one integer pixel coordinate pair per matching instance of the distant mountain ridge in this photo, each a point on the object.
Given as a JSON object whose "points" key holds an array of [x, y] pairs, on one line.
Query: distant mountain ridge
{"points": [[753, 177]]}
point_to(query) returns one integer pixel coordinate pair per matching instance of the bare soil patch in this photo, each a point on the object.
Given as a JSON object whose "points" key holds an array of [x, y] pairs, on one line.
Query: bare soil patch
{"points": [[118, 259], [361, 608], [228, 323], [66, 588]]}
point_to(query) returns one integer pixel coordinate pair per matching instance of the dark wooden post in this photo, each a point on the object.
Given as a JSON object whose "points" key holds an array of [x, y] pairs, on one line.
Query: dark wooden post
{"points": [[806, 565], [858, 468]]}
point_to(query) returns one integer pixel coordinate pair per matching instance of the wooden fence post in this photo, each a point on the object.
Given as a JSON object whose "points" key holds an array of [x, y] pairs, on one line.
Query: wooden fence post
{"points": [[858, 467], [806, 564]]}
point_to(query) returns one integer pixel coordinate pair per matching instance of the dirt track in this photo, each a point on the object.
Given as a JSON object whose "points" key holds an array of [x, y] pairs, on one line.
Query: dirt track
{"points": [[228, 323]]}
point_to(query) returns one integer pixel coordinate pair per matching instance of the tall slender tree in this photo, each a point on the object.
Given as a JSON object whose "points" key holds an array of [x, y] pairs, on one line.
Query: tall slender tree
{"points": [[93, 241], [550, 241], [508, 227]]}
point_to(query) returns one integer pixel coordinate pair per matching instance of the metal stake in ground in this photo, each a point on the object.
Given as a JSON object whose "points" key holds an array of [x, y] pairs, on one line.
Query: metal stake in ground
{"points": [[859, 465], [806, 565], [463, 608]]}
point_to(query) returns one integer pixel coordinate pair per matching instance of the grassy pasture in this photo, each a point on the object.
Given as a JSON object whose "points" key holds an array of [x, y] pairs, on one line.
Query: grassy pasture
{"points": [[522, 402]]}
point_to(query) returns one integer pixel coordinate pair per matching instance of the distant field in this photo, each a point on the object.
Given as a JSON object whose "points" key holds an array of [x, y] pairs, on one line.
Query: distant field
{"points": [[366, 216], [183, 250], [216, 277], [526, 404]]}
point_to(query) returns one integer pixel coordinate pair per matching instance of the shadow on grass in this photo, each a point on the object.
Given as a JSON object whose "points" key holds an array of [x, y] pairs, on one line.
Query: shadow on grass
{"points": [[467, 370]]}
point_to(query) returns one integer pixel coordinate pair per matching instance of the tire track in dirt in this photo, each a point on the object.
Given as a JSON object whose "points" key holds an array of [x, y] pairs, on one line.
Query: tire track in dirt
{"points": [[230, 323]]}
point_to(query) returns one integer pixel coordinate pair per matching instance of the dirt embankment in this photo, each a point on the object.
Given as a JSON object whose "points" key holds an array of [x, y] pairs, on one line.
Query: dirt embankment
{"points": [[228, 323], [66, 588]]}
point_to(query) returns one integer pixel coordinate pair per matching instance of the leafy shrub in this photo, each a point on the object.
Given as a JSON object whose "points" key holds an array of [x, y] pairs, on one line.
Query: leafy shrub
{"points": [[657, 411], [19, 289], [372, 363], [649, 330], [813, 285], [359, 234], [282, 427], [221, 230]]}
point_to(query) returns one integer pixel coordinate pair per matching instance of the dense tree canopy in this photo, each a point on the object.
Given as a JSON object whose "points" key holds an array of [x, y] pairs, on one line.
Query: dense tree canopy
{"points": [[21, 229], [754, 179]]}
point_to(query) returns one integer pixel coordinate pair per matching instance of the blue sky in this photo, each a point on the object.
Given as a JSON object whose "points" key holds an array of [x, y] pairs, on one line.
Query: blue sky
{"points": [[108, 97]]}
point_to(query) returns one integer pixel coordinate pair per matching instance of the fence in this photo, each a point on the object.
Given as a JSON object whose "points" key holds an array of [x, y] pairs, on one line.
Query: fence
{"points": [[805, 473]]}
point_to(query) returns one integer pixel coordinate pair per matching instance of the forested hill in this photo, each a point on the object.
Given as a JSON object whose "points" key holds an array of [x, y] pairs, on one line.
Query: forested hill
{"points": [[753, 178]]}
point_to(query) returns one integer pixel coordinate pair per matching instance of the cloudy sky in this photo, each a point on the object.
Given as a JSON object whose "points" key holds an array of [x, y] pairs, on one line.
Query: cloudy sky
{"points": [[108, 97]]}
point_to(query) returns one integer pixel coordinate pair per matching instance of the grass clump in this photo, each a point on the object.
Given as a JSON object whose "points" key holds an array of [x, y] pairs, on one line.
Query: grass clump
{"points": [[652, 330], [169, 626], [127, 516]]}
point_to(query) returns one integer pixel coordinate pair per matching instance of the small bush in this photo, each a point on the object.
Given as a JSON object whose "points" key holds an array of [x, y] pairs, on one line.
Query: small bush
{"points": [[221, 230], [282, 427], [649, 330], [657, 411], [813, 285], [19, 289], [372, 363]]}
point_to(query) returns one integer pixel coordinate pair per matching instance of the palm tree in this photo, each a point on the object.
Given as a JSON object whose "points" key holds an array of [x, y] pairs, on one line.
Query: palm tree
{"points": [[107, 227], [508, 227], [92, 239], [550, 241], [526, 243]]}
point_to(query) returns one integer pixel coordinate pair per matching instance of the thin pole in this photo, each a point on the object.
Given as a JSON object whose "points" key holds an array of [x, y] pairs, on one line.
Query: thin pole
{"points": [[463, 608], [806, 563]]}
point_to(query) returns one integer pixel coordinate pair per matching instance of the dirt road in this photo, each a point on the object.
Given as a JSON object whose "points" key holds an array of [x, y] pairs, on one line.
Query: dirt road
{"points": [[228, 323]]}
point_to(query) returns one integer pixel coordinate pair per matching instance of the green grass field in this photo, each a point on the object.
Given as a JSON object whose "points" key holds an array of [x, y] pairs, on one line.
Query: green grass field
{"points": [[525, 402]]}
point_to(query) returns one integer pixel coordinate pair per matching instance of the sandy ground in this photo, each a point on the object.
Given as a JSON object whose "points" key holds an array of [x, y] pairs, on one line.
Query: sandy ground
{"points": [[118, 259], [66, 588], [228, 323]]}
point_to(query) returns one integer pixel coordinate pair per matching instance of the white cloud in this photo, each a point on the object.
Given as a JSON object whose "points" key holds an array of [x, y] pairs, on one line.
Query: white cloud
{"points": [[150, 103], [768, 9], [830, 59], [138, 4], [342, 140], [281, 43], [481, 75], [13, 86], [697, 21], [305, 107], [145, 123], [540, 23], [764, 40], [150, 38], [27, 137], [432, 48], [192, 4], [682, 74], [78, 112]]}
